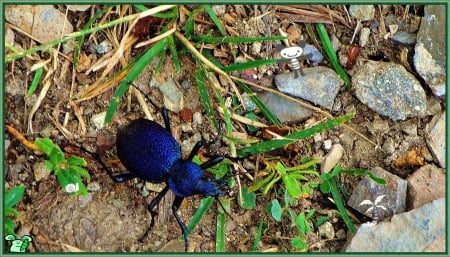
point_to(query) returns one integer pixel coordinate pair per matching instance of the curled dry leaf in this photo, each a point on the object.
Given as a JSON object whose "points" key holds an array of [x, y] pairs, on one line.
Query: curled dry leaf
{"points": [[413, 157]]}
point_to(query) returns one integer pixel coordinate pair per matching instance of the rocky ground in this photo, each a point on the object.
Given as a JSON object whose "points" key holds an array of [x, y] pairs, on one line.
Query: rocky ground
{"points": [[395, 56]]}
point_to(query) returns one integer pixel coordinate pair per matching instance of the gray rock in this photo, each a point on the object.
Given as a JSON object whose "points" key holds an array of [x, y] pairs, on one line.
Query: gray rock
{"points": [[430, 50], [173, 96], [362, 12], [320, 85], [390, 90], [419, 190], [326, 230], [413, 231], [379, 201], [403, 37], [316, 55], [284, 109], [435, 135], [98, 120], [42, 21]]}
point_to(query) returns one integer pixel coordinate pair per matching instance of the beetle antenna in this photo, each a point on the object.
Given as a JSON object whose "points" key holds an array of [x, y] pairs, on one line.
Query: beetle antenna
{"points": [[143, 93], [223, 208]]}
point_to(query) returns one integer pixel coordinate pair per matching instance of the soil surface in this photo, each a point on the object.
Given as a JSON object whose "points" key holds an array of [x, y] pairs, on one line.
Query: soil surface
{"points": [[113, 216]]}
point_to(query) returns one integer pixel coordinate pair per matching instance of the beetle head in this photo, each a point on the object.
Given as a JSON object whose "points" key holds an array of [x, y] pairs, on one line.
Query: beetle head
{"points": [[211, 187]]}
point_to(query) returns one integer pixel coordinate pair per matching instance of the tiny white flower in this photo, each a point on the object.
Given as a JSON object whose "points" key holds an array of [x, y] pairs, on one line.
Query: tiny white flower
{"points": [[71, 188]]}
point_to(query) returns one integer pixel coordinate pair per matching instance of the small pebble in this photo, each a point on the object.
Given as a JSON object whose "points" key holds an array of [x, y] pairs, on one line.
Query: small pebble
{"points": [[98, 120], [197, 118], [186, 114], [326, 230], [93, 186]]}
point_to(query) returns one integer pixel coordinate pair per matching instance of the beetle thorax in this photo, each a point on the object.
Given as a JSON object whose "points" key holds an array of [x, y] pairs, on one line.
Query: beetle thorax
{"points": [[184, 177]]}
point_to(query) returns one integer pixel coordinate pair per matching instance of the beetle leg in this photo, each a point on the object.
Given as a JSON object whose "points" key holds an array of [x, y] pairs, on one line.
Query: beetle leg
{"points": [[195, 150], [165, 116], [211, 162], [176, 204], [151, 206]]}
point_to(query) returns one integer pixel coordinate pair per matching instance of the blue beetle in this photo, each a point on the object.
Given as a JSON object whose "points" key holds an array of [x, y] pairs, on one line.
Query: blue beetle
{"points": [[151, 153]]}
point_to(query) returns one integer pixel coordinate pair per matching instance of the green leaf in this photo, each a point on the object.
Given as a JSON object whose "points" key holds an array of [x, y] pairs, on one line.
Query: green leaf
{"points": [[14, 195], [297, 242], [81, 171], [248, 199], [9, 226], [261, 182], [276, 210], [292, 186], [321, 220], [325, 187], [76, 161], [301, 224], [11, 212], [35, 82], [45, 144]]}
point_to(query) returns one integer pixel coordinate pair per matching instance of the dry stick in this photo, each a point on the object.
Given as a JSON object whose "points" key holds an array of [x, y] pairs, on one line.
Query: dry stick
{"points": [[305, 105], [22, 138]]}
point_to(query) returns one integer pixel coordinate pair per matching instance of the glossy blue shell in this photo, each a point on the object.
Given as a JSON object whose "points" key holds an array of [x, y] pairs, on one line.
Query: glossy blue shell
{"points": [[147, 150]]}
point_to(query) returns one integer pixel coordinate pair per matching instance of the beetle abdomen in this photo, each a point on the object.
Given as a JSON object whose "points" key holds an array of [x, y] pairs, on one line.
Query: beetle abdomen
{"points": [[147, 149]]}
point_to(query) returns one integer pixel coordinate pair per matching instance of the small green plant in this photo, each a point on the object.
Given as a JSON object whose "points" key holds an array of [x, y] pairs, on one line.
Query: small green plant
{"points": [[303, 222], [68, 171], [12, 198], [290, 177]]}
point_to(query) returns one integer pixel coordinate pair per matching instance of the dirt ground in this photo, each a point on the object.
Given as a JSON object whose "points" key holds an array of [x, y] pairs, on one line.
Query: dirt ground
{"points": [[113, 216]]}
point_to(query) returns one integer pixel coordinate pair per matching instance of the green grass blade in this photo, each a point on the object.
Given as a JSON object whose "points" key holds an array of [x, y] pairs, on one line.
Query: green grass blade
{"points": [[236, 40], [340, 205], [222, 226], [215, 19], [204, 96], [329, 50], [202, 209], [35, 82], [273, 144], [173, 51], [139, 66], [262, 107], [258, 235], [249, 65]]}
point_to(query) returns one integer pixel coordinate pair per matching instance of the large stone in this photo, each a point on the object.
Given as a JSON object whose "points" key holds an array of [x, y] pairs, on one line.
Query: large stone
{"points": [[430, 51], [383, 201], [390, 90], [418, 230], [425, 185], [41, 21], [319, 85]]}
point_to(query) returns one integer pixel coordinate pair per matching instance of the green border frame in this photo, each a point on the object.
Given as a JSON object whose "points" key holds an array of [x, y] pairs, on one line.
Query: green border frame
{"points": [[2, 122]]}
